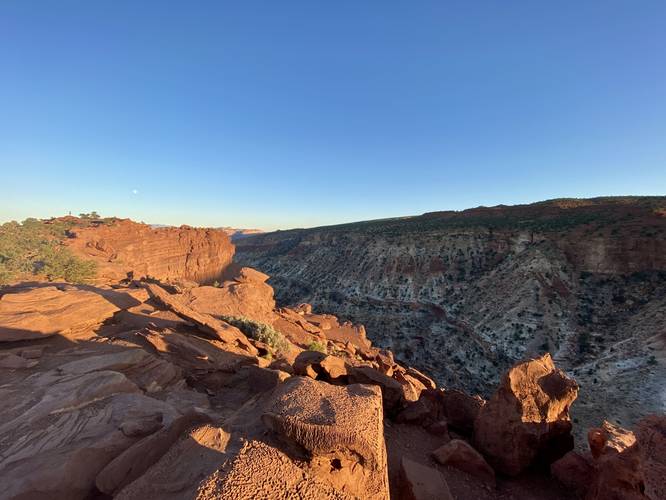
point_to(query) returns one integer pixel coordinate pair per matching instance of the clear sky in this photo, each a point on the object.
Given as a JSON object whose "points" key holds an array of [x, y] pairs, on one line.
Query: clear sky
{"points": [[300, 113]]}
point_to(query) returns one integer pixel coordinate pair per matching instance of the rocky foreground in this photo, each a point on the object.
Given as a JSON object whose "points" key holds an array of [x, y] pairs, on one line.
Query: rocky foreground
{"points": [[158, 388]]}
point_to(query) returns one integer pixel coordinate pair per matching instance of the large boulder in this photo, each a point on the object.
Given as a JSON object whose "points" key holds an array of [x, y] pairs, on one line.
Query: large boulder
{"points": [[528, 417], [609, 438], [247, 295], [340, 427], [623, 465], [321, 366], [618, 476], [40, 312], [392, 392]]}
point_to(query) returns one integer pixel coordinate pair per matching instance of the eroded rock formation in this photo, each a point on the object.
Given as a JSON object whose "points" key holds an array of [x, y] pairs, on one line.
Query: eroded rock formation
{"points": [[528, 417], [166, 253]]}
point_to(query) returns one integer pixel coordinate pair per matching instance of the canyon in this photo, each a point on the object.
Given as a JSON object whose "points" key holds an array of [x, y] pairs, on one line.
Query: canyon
{"points": [[465, 295], [179, 372]]}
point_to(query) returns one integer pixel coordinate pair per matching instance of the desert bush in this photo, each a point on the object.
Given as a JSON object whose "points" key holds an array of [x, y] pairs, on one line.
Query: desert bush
{"points": [[35, 248], [60, 263], [259, 331], [317, 346]]}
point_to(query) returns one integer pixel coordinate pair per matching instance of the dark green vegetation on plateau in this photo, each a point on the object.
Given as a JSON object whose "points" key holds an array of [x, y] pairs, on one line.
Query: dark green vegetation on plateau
{"points": [[35, 248]]}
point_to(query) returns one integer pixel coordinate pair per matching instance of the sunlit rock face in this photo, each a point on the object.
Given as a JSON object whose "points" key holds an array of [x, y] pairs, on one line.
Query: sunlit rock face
{"points": [[166, 253]]}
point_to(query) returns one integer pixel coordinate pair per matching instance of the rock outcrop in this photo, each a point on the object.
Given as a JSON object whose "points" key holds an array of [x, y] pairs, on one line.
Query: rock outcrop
{"points": [[609, 438], [245, 294], [528, 417], [40, 312], [123, 247]]}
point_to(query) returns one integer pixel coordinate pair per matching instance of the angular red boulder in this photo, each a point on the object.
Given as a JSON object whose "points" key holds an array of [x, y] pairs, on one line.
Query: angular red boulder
{"points": [[319, 366], [527, 418], [609, 438]]}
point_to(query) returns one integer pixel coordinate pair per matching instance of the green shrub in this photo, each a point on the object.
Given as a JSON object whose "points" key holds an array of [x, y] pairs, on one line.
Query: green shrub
{"points": [[35, 248], [259, 331], [58, 263], [317, 346]]}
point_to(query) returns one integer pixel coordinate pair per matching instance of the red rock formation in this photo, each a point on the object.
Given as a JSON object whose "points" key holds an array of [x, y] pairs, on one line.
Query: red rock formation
{"points": [[40, 312], [246, 295], [527, 417], [166, 253], [319, 366], [609, 438]]}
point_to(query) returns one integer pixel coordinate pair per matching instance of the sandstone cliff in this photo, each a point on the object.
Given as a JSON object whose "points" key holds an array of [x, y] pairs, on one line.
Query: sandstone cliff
{"points": [[122, 246]]}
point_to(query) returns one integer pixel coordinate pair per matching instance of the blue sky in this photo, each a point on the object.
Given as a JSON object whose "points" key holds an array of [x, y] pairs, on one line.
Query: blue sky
{"points": [[301, 113]]}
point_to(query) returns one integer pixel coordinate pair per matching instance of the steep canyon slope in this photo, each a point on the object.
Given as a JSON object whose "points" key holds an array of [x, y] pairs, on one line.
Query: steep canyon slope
{"points": [[464, 295]]}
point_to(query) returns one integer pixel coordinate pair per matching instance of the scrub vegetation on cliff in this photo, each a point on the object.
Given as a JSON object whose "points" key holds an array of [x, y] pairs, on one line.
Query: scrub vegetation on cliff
{"points": [[259, 331], [34, 248]]}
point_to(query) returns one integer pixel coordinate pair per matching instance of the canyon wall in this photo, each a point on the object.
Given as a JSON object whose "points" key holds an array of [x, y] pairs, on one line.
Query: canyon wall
{"points": [[464, 295], [167, 253]]}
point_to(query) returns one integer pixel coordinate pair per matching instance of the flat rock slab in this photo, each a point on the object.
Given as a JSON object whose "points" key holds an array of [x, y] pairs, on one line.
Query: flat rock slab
{"points": [[420, 482], [41, 312], [340, 426]]}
